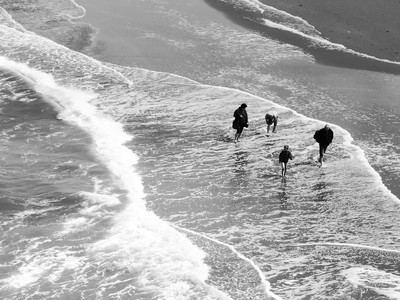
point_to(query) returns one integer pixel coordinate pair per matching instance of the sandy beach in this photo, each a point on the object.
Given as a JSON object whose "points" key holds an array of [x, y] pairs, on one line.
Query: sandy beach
{"points": [[367, 26]]}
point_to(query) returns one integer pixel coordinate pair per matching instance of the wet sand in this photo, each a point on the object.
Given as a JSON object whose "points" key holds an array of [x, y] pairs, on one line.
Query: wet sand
{"points": [[367, 26], [131, 34], [123, 43]]}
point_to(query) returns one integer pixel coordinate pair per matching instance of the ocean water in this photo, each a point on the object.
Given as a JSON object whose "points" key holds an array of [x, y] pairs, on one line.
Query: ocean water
{"points": [[120, 178]]}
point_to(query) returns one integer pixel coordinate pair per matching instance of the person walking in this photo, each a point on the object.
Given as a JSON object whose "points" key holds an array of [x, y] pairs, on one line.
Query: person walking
{"points": [[241, 121], [271, 118], [324, 137], [284, 157]]}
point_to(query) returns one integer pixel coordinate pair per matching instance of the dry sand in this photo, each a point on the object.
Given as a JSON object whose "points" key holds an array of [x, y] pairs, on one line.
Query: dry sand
{"points": [[367, 26]]}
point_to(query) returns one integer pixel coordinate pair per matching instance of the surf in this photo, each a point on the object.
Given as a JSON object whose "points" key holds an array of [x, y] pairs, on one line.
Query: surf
{"points": [[110, 105], [134, 223], [294, 30], [74, 107]]}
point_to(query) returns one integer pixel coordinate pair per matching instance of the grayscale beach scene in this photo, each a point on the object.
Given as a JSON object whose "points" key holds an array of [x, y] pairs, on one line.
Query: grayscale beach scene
{"points": [[122, 177]]}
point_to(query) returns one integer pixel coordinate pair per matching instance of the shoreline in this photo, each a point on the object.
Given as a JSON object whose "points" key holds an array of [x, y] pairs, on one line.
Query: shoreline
{"points": [[362, 58], [370, 27]]}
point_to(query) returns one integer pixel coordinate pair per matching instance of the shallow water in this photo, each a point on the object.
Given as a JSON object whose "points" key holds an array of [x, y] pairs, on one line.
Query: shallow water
{"points": [[120, 182]]}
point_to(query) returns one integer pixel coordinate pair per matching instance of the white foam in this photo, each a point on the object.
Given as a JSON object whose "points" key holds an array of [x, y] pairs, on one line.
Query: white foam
{"points": [[81, 8], [348, 139], [38, 264], [325, 43], [356, 151], [108, 135], [12, 39], [292, 20], [73, 225], [301, 27], [381, 282], [6, 18], [75, 107], [96, 205], [139, 241], [162, 258], [348, 245], [265, 284], [27, 274]]}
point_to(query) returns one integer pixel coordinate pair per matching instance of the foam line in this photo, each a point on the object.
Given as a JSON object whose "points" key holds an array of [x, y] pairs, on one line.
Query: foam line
{"points": [[348, 245], [80, 7], [347, 136], [263, 8], [348, 139], [91, 59], [260, 6], [135, 222], [9, 18], [324, 42], [264, 281]]}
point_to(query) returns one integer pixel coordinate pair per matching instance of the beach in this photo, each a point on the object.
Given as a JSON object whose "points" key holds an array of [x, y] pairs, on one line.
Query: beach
{"points": [[370, 27], [141, 44], [120, 176]]}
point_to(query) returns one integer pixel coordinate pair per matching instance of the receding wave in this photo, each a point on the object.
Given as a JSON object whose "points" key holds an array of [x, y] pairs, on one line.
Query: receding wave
{"points": [[294, 30], [159, 260], [152, 162]]}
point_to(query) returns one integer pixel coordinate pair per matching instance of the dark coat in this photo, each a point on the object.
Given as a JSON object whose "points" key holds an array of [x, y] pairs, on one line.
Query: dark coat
{"points": [[324, 136], [285, 155], [241, 119], [269, 119]]}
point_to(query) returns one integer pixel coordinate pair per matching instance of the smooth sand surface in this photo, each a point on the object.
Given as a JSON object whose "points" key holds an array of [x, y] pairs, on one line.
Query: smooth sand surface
{"points": [[140, 33], [367, 26], [129, 31]]}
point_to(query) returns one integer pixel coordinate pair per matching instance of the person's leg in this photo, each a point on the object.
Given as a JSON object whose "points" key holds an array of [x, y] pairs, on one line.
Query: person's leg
{"points": [[283, 168], [238, 133], [268, 125], [274, 128], [321, 153]]}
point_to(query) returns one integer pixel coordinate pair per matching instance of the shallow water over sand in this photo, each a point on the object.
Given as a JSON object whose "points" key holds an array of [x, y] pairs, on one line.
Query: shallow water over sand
{"points": [[141, 192], [206, 47]]}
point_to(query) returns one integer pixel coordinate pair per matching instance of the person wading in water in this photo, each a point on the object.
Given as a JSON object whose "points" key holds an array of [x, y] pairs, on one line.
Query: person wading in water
{"points": [[240, 121], [284, 157], [324, 138]]}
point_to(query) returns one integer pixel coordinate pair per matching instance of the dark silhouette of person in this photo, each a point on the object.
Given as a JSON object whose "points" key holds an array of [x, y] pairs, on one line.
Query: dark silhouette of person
{"points": [[284, 157], [240, 121], [271, 118], [324, 137]]}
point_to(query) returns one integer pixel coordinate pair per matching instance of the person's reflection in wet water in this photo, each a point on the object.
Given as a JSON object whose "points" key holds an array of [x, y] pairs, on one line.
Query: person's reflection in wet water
{"points": [[322, 192], [240, 162], [283, 196], [240, 169]]}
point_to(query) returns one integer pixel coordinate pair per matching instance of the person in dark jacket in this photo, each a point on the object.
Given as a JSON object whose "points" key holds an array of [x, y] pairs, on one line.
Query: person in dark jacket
{"points": [[240, 121], [324, 138], [271, 118], [284, 157]]}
